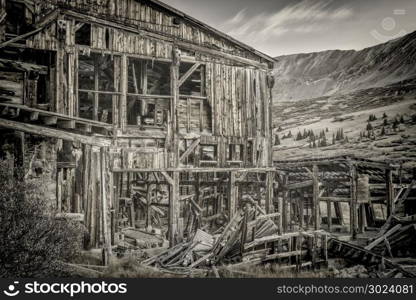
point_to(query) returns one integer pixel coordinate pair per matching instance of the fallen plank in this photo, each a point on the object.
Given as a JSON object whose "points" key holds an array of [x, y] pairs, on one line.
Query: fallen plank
{"points": [[383, 237]]}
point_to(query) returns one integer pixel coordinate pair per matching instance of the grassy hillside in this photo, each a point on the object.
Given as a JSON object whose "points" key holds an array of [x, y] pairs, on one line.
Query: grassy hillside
{"points": [[392, 108]]}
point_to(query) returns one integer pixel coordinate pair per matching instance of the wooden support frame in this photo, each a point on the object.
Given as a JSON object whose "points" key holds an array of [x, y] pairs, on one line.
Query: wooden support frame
{"points": [[270, 192], [174, 207], [353, 201], [55, 133], [232, 194], [191, 149], [316, 202], [188, 74], [389, 193]]}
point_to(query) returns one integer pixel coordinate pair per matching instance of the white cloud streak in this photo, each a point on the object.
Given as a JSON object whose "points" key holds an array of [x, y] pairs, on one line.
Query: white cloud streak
{"points": [[307, 16]]}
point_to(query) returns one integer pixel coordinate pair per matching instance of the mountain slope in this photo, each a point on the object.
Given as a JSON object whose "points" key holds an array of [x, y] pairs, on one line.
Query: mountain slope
{"points": [[313, 75]]}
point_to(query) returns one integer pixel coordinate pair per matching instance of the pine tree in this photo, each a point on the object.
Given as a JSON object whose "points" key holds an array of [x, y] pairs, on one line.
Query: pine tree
{"points": [[402, 119], [324, 142], [383, 131], [384, 116], [395, 124], [299, 136], [305, 134], [369, 126], [277, 140], [314, 144], [385, 122], [289, 134], [333, 139]]}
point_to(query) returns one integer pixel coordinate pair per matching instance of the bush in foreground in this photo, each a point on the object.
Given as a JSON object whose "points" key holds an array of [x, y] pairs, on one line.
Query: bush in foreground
{"points": [[33, 242]]}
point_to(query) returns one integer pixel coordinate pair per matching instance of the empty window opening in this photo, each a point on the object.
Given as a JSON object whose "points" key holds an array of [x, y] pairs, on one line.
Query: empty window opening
{"points": [[97, 94], [148, 77], [209, 153], [194, 85], [83, 34], [148, 93]]}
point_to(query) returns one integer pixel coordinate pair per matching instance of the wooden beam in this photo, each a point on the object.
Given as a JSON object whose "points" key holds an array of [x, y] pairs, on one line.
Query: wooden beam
{"points": [[191, 149], [353, 201], [335, 199], [300, 185], [55, 133], [196, 170], [174, 207], [104, 205], [169, 179], [232, 195], [269, 192], [123, 90], [174, 116], [389, 192], [316, 203], [188, 73], [21, 37]]}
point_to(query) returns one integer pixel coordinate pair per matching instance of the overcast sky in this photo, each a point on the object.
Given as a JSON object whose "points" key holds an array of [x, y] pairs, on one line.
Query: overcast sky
{"points": [[279, 27]]}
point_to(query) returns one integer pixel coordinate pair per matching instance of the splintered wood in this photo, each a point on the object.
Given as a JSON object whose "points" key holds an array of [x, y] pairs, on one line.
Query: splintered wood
{"points": [[249, 237]]}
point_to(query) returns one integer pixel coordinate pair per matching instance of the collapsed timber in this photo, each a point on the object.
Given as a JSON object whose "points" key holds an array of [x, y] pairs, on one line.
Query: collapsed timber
{"points": [[251, 237]]}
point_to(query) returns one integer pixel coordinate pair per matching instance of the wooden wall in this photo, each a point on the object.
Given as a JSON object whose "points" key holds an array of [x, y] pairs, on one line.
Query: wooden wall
{"points": [[150, 17], [239, 100]]}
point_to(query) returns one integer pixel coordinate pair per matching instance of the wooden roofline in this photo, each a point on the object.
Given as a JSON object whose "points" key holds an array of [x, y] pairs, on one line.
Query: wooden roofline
{"points": [[211, 29]]}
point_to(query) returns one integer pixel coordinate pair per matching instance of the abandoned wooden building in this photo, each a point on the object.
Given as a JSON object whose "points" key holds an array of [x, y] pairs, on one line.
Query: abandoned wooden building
{"points": [[135, 116], [133, 113]]}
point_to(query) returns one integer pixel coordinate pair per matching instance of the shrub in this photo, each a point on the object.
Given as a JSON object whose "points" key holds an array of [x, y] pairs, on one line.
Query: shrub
{"points": [[33, 242]]}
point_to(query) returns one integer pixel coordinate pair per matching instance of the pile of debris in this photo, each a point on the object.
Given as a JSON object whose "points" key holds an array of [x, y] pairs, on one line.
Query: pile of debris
{"points": [[396, 238], [206, 250]]}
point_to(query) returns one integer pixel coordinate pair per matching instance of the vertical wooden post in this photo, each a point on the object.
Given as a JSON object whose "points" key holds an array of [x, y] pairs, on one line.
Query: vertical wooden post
{"points": [[174, 74], [148, 206], [329, 214], [301, 211], [104, 205], [269, 192], [269, 118], [316, 204], [174, 209], [280, 207], [353, 203], [389, 192], [123, 91], [232, 194], [285, 212]]}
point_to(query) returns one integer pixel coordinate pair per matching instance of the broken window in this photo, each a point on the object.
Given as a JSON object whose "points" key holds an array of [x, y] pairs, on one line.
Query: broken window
{"points": [[194, 83], [83, 34], [148, 92], [17, 20], [209, 153], [149, 77], [96, 87]]}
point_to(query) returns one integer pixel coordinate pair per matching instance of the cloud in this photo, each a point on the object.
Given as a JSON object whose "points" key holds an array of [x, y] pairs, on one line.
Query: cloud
{"points": [[307, 16], [238, 18]]}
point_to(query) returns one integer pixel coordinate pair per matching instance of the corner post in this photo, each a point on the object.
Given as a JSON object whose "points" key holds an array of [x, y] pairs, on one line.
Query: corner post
{"points": [[316, 203], [389, 192]]}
